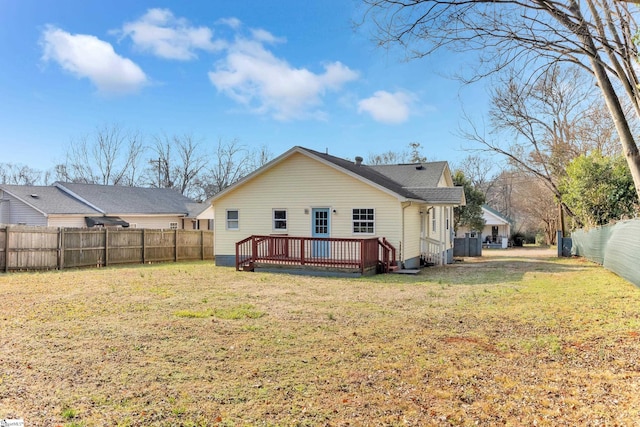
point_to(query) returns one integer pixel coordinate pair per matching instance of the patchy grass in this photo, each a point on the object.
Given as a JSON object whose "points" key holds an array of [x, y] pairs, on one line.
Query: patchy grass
{"points": [[511, 341]]}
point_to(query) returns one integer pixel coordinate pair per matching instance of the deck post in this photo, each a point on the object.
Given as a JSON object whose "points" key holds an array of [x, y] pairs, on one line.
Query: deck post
{"points": [[302, 241], [237, 256], [362, 256], [254, 249]]}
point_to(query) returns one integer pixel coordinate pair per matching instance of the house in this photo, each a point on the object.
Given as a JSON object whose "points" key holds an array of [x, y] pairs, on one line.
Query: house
{"points": [[200, 215], [496, 231], [306, 193], [90, 205]]}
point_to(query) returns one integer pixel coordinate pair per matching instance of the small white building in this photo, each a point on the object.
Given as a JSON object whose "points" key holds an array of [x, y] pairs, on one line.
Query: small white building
{"points": [[496, 231]]}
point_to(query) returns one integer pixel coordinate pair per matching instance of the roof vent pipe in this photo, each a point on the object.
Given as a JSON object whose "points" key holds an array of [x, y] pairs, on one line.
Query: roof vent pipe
{"points": [[358, 160]]}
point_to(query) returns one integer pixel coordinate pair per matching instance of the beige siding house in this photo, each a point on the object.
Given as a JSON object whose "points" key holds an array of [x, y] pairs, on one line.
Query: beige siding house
{"points": [[87, 205], [306, 193]]}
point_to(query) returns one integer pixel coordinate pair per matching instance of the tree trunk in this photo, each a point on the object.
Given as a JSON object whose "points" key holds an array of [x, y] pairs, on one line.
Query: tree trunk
{"points": [[629, 145]]}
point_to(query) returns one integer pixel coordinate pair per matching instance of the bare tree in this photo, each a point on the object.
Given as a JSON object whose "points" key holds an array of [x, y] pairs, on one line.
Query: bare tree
{"points": [[540, 126], [479, 170], [178, 163], [411, 155], [230, 162], [536, 208], [110, 156], [595, 35], [500, 193], [14, 174], [260, 157], [387, 158]]}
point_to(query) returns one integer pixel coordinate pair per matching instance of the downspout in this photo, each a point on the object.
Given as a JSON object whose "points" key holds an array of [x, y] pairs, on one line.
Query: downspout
{"points": [[405, 205]]}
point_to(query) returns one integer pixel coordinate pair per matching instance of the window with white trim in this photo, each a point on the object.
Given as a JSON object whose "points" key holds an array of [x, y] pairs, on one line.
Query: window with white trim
{"points": [[363, 221], [279, 220], [233, 219], [173, 225]]}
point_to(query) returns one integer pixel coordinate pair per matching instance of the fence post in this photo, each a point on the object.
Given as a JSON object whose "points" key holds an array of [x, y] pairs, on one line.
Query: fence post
{"points": [[60, 248], [175, 255], [6, 248], [144, 245], [106, 246], [201, 245]]}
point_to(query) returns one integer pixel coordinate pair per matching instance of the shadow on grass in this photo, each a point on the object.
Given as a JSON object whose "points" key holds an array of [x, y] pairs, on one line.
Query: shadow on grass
{"points": [[495, 269]]}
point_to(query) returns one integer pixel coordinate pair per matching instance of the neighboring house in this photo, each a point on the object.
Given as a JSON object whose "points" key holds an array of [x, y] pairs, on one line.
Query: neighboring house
{"points": [[89, 205], [200, 215], [496, 231], [306, 193]]}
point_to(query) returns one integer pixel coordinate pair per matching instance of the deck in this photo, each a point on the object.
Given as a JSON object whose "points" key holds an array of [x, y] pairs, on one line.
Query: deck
{"points": [[360, 256]]}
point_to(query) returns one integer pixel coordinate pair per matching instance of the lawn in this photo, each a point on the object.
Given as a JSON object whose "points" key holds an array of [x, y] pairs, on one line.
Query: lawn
{"points": [[497, 341]]}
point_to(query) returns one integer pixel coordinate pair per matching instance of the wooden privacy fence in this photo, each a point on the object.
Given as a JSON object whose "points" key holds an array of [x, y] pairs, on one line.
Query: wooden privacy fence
{"points": [[44, 248]]}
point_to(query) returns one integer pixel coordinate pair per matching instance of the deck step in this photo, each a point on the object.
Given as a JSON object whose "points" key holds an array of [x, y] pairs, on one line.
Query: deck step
{"points": [[405, 271]]}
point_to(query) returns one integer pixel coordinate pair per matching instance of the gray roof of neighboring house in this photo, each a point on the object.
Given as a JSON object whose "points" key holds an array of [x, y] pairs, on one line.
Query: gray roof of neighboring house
{"points": [[49, 200], [414, 181], [129, 200]]}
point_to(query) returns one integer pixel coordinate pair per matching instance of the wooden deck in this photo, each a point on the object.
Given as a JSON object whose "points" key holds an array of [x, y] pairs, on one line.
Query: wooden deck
{"points": [[362, 256]]}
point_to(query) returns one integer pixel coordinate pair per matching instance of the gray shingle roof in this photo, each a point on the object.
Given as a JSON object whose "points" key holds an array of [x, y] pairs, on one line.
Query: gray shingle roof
{"points": [[364, 171], [129, 200], [416, 175], [440, 195], [413, 181], [49, 200]]}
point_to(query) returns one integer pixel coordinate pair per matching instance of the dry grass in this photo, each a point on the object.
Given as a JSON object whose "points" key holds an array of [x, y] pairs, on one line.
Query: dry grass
{"points": [[505, 341]]}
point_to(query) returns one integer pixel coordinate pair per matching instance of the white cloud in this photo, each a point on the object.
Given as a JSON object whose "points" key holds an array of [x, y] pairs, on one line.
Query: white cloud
{"points": [[389, 108], [233, 23], [158, 31], [253, 76], [86, 56]]}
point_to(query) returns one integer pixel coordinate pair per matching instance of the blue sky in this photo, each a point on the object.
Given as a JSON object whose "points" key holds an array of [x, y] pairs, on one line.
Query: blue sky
{"points": [[268, 73]]}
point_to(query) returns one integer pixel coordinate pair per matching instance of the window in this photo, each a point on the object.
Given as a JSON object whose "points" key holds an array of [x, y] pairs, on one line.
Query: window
{"points": [[279, 220], [446, 213], [233, 219], [363, 221], [173, 225], [433, 219]]}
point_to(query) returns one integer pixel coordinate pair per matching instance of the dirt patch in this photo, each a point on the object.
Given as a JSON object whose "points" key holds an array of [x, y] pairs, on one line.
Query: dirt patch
{"points": [[522, 252]]}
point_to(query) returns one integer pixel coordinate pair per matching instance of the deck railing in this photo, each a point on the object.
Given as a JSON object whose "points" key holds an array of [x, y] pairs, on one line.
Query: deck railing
{"points": [[363, 255]]}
